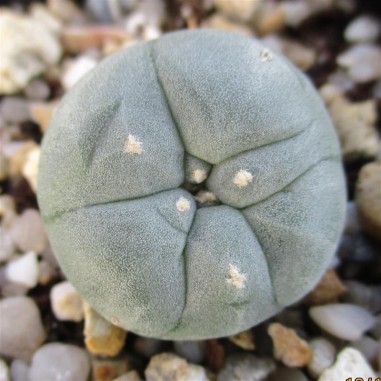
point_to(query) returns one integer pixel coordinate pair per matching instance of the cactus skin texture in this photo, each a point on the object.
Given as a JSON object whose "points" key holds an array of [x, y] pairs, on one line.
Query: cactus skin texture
{"points": [[134, 243]]}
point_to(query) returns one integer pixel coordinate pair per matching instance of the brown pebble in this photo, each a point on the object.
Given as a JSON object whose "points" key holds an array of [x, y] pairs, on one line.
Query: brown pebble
{"points": [[77, 39], [329, 288], [289, 348], [41, 113], [368, 198], [244, 340], [102, 337], [215, 355]]}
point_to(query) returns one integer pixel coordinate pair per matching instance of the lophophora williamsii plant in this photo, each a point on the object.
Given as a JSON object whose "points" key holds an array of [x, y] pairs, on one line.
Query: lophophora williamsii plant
{"points": [[130, 145]]}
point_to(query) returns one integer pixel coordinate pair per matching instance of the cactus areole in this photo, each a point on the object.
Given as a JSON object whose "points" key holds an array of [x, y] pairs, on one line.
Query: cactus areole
{"points": [[192, 186]]}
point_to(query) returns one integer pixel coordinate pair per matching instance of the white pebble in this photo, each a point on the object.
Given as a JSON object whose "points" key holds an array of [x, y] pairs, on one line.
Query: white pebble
{"points": [[362, 61], [349, 363], [24, 270], [4, 371], [14, 110], [19, 370], [28, 232], [77, 69], [345, 321], [37, 90], [7, 248], [21, 330], [368, 347], [66, 302], [60, 362], [323, 356], [30, 167], [362, 29]]}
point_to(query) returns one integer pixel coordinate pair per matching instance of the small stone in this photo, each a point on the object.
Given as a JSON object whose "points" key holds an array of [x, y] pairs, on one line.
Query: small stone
{"points": [[59, 362], [362, 62], [19, 371], [101, 337], [132, 375], [289, 347], [21, 331], [66, 302], [368, 347], [363, 295], [77, 69], [296, 12], [18, 156], [4, 371], [4, 172], [376, 329], [107, 370], [66, 11], [218, 21], [345, 321], [11, 289], [288, 374], [269, 18], [323, 356], [37, 90], [133, 145], [349, 363], [169, 367], [327, 290], [362, 29], [14, 110], [24, 270], [329, 91], [148, 347], [77, 39], [29, 46], [368, 196], [30, 167], [7, 247], [238, 9], [341, 80], [193, 351], [246, 367], [28, 232], [244, 340], [302, 56], [41, 113], [46, 273], [7, 211], [355, 125]]}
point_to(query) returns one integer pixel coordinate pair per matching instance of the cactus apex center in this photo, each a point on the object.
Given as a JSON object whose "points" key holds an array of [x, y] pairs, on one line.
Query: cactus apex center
{"points": [[182, 204], [133, 145], [242, 178], [199, 175], [236, 278], [266, 55]]}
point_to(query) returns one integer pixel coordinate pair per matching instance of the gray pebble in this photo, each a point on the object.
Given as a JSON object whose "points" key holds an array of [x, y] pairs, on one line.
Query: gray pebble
{"points": [[60, 362], [21, 328]]}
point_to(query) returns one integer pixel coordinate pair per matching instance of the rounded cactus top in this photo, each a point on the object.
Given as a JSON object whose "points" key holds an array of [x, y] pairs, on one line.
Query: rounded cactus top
{"points": [[192, 186]]}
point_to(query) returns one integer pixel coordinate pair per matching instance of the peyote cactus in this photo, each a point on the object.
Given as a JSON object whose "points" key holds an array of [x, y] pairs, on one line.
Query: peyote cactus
{"points": [[201, 107]]}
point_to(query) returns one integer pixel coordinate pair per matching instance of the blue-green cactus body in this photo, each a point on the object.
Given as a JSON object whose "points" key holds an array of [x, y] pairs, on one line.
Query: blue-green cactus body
{"points": [[205, 107]]}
